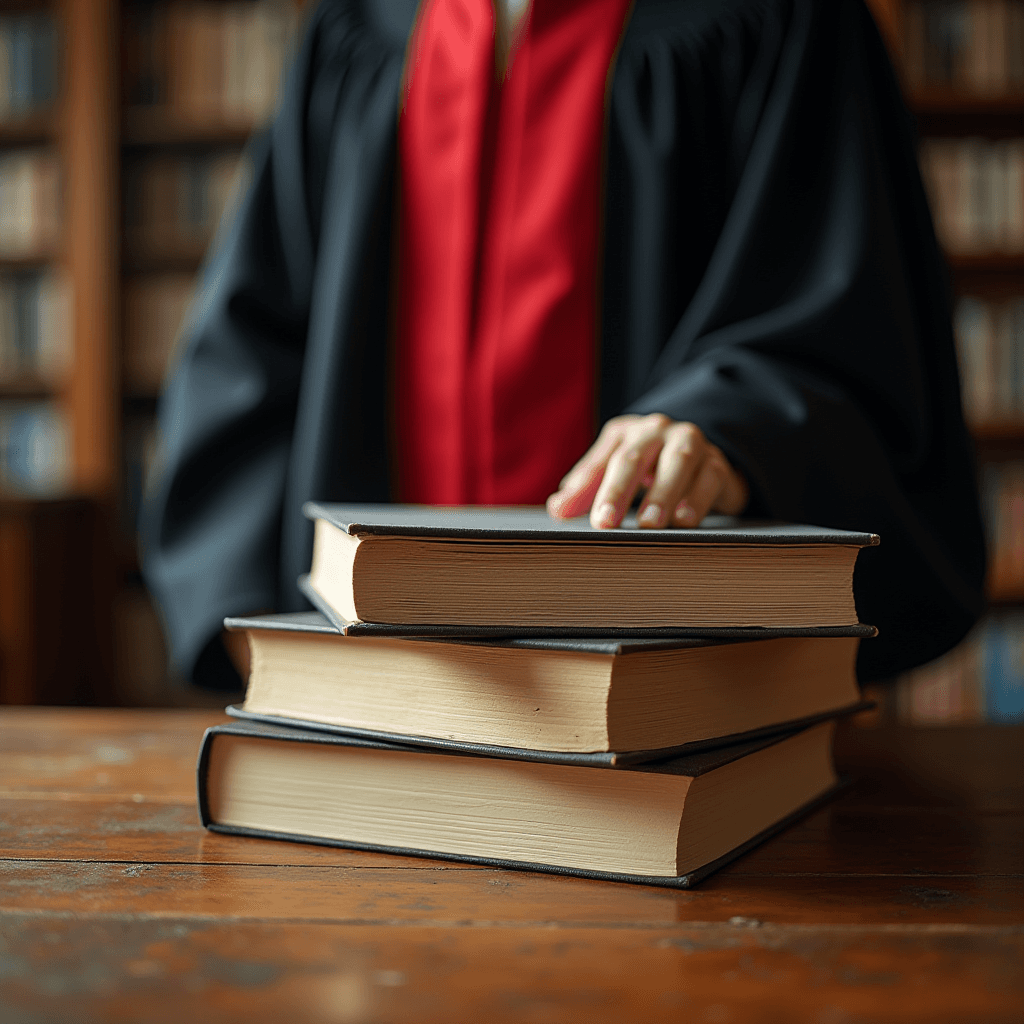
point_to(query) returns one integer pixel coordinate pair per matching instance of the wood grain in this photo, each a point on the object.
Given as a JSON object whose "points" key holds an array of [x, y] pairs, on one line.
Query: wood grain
{"points": [[82, 753], [114, 971], [440, 893], [901, 900]]}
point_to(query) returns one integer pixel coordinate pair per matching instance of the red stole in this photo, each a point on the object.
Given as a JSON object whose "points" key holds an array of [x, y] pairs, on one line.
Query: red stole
{"points": [[500, 209]]}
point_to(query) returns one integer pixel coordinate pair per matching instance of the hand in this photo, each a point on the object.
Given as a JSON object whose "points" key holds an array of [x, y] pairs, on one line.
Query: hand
{"points": [[686, 476]]}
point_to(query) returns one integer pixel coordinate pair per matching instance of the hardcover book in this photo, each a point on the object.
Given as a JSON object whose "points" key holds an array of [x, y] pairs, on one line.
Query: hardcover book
{"points": [[583, 700], [517, 571], [670, 823]]}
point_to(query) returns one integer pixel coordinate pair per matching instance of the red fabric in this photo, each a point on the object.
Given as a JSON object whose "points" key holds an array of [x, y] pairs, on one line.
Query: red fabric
{"points": [[497, 327]]}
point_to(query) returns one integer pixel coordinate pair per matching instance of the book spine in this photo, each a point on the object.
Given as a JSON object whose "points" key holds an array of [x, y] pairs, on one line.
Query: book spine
{"points": [[155, 311], [1004, 668], [34, 448]]}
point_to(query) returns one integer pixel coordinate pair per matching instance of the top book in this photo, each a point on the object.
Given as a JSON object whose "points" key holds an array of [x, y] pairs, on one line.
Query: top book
{"points": [[417, 570]]}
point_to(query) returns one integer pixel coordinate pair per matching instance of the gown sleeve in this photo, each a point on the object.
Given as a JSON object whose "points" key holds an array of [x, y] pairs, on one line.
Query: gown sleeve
{"points": [[817, 350], [210, 527]]}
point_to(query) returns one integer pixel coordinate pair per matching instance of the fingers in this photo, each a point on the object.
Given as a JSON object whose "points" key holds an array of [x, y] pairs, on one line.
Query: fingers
{"points": [[684, 474], [679, 462], [579, 486], [630, 464], [713, 485]]}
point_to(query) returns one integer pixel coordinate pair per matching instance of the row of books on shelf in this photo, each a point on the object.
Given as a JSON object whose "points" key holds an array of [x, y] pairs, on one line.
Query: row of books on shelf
{"points": [[976, 46], [30, 202], [990, 350], [1002, 495], [34, 448], [175, 201], [208, 62], [981, 680], [28, 64], [976, 189], [35, 324]]}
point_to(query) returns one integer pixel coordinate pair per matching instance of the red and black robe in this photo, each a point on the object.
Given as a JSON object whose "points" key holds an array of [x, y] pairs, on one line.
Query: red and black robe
{"points": [[764, 266]]}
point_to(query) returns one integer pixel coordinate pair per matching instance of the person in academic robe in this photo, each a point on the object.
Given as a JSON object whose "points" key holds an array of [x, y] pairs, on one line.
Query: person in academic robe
{"points": [[571, 252]]}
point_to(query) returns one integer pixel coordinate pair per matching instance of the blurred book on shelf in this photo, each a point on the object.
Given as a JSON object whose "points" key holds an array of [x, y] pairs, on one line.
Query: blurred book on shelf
{"points": [[29, 203], [155, 310], [981, 680], [35, 325], [174, 202], [34, 448], [976, 187], [28, 64], [208, 62], [1002, 495], [972, 46], [990, 349]]}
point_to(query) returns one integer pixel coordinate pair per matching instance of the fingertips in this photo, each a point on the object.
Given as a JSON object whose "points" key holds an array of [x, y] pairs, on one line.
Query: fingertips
{"points": [[702, 495], [605, 516], [568, 504]]}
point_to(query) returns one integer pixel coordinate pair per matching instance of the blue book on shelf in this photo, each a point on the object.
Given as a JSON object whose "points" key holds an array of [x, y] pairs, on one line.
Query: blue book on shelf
{"points": [[20, 96], [1004, 670]]}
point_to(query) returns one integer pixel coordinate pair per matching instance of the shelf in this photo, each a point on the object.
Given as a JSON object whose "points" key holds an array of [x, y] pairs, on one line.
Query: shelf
{"points": [[30, 261], [998, 430], [948, 100], [180, 258], [994, 261], [949, 113], [30, 130], [993, 274], [158, 126], [27, 386]]}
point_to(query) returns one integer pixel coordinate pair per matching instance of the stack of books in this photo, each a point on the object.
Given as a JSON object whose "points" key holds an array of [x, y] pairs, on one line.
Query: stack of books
{"points": [[493, 686]]}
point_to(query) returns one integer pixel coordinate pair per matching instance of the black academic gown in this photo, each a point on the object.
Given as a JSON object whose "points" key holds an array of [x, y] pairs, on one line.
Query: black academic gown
{"points": [[770, 273]]}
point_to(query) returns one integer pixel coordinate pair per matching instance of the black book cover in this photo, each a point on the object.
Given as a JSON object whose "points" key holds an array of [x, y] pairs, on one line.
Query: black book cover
{"points": [[534, 524], [692, 765]]}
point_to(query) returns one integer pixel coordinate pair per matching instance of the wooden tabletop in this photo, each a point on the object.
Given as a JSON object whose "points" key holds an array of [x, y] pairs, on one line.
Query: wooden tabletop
{"points": [[902, 900]]}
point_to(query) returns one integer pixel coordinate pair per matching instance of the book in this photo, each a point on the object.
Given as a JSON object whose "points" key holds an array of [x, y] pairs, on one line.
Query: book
{"points": [[973, 46], [35, 444], [35, 324], [980, 681], [28, 64], [29, 202], [518, 571], [173, 203], [155, 313], [209, 62], [1002, 496], [670, 823], [976, 190], [615, 700]]}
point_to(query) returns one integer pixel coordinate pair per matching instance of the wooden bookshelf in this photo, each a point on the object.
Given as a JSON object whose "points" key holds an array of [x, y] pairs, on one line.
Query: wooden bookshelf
{"points": [[156, 127], [27, 386], [970, 113], [36, 129]]}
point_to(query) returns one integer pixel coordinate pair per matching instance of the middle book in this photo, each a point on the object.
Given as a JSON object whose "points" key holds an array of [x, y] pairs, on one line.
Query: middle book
{"points": [[614, 701]]}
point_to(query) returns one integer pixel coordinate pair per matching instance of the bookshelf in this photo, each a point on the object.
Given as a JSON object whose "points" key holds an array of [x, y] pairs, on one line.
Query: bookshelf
{"points": [[962, 67], [99, 88]]}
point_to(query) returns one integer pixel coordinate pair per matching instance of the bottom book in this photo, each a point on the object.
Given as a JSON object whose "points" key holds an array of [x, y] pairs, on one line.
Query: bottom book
{"points": [[668, 823]]}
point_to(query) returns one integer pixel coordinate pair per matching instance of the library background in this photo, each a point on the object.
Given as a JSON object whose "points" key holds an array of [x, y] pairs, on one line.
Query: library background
{"points": [[122, 134]]}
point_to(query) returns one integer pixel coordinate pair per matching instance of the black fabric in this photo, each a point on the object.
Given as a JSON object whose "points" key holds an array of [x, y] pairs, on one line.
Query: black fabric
{"points": [[770, 272]]}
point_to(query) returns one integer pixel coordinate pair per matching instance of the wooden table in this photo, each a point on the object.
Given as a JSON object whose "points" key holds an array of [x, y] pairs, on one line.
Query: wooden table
{"points": [[900, 901]]}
